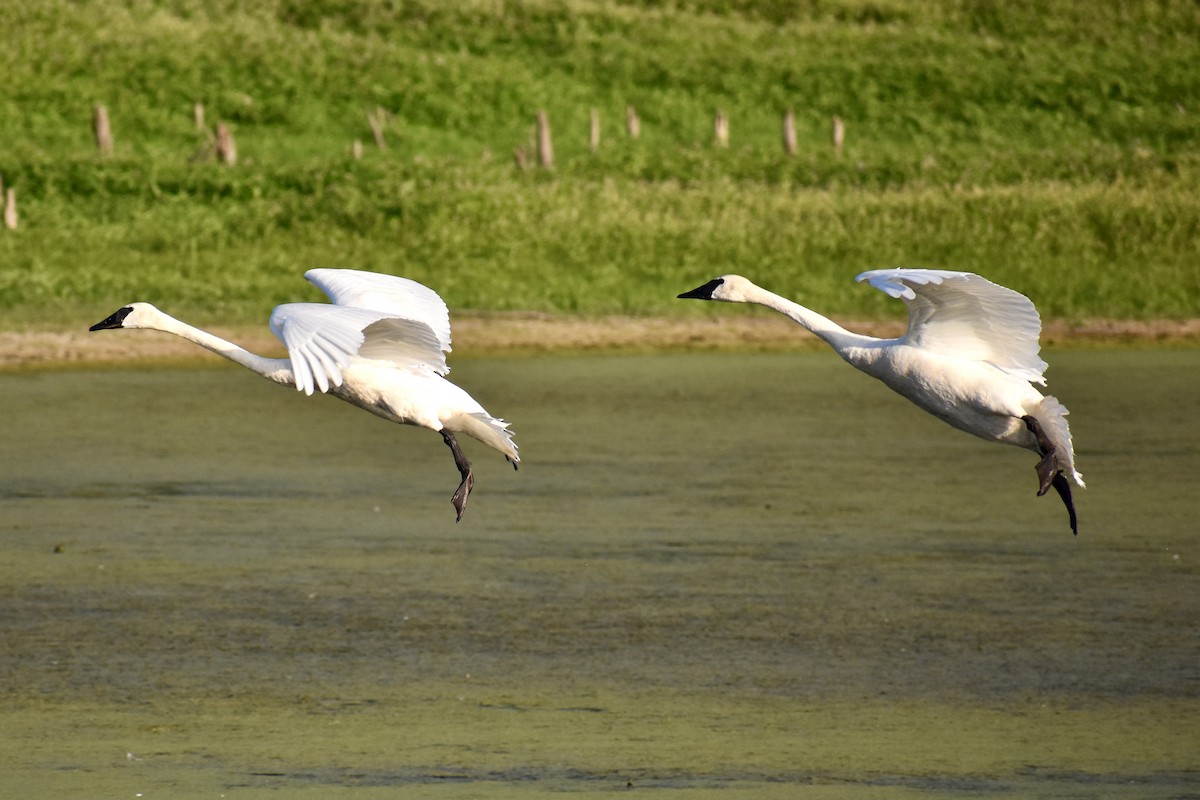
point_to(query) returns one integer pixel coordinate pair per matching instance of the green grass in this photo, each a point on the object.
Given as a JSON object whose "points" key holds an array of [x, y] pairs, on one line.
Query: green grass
{"points": [[1050, 146]]}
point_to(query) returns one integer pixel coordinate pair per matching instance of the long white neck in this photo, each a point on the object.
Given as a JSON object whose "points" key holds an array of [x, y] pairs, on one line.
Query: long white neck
{"points": [[278, 370], [843, 341]]}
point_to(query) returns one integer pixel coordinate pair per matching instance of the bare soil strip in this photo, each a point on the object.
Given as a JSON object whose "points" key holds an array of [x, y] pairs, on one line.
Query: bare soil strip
{"points": [[524, 334]]}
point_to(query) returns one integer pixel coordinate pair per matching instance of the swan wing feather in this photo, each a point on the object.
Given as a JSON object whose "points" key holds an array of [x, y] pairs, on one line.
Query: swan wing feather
{"points": [[397, 297], [963, 315], [407, 343], [321, 340]]}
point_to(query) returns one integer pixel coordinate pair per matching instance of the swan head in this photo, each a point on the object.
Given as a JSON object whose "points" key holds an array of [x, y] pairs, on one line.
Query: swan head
{"points": [[134, 315], [727, 288]]}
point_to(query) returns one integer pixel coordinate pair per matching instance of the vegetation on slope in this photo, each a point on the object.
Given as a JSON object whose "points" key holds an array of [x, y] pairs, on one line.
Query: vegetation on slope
{"points": [[1049, 145]]}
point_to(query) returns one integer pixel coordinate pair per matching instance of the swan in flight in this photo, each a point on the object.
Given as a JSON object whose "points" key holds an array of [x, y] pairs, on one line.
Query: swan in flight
{"points": [[969, 357], [381, 346]]}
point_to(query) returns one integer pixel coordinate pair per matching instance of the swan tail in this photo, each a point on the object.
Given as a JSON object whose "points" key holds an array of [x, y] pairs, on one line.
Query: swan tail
{"points": [[492, 432], [1053, 417]]}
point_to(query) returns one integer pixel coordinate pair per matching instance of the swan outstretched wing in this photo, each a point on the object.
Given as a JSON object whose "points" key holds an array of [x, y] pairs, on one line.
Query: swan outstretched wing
{"points": [[965, 316], [381, 317], [398, 297], [321, 339]]}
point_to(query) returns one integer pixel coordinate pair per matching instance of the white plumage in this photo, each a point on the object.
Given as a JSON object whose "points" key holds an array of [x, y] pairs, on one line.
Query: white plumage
{"points": [[381, 345], [969, 357]]}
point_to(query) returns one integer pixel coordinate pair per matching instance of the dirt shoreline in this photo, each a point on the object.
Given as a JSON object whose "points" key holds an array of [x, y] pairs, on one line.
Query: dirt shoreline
{"points": [[524, 334]]}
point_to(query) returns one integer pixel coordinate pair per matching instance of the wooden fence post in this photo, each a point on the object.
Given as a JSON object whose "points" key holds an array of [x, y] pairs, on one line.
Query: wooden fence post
{"points": [[721, 129], [594, 136], [839, 134], [520, 158], [226, 148], [545, 148], [632, 124], [102, 130], [10, 209], [789, 133], [377, 119], [198, 116]]}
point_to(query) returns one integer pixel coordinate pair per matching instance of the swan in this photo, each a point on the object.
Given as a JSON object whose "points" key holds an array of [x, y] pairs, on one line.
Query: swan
{"points": [[969, 357], [381, 346]]}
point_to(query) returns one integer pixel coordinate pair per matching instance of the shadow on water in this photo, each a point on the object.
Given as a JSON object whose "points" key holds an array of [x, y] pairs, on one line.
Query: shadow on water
{"points": [[713, 574]]}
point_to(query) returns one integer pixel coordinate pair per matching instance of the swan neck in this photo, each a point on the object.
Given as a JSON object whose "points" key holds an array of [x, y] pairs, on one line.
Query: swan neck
{"points": [[275, 369], [828, 330]]}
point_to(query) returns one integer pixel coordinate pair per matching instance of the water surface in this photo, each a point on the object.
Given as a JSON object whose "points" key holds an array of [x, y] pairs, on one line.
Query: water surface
{"points": [[714, 575]]}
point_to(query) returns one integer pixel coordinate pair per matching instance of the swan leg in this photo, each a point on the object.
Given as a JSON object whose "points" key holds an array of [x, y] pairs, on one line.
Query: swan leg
{"points": [[464, 468], [1047, 468], [1049, 472]]}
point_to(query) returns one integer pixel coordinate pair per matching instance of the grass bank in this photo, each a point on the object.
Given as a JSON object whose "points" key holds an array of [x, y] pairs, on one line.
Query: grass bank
{"points": [[1050, 146]]}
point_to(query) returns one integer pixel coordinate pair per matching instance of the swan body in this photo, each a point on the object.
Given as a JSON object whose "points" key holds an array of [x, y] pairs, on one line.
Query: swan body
{"points": [[381, 345], [969, 357]]}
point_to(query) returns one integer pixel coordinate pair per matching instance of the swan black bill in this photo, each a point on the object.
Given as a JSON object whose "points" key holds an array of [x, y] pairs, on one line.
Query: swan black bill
{"points": [[116, 320], [704, 292]]}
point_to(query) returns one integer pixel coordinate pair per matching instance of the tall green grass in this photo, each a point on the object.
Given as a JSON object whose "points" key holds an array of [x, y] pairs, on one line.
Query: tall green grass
{"points": [[1051, 146]]}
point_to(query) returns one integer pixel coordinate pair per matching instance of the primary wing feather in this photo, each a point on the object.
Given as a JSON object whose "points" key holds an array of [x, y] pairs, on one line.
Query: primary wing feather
{"points": [[962, 315], [320, 339], [373, 316]]}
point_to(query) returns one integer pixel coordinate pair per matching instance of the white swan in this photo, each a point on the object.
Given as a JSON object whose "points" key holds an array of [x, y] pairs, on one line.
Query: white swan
{"points": [[381, 346], [969, 357]]}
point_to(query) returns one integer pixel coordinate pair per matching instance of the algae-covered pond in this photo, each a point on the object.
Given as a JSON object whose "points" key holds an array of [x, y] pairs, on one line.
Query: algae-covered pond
{"points": [[713, 576]]}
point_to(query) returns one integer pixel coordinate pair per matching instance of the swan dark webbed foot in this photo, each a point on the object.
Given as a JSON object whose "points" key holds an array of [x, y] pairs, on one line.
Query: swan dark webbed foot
{"points": [[1048, 467], [1063, 487], [463, 493], [1049, 472]]}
